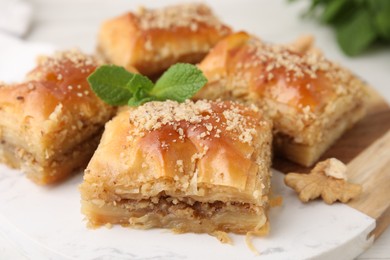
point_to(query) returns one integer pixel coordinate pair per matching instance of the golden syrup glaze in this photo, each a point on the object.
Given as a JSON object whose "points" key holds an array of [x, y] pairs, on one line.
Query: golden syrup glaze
{"points": [[61, 79], [298, 80], [279, 83], [174, 149], [217, 152]]}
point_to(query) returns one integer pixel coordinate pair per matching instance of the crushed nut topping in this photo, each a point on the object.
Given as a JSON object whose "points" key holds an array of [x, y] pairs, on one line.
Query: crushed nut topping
{"points": [[63, 68], [187, 15], [278, 56], [326, 181], [281, 63], [59, 59], [154, 115]]}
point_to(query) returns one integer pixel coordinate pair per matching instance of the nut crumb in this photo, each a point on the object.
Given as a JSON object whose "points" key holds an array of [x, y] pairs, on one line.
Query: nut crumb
{"points": [[108, 225], [332, 168]]}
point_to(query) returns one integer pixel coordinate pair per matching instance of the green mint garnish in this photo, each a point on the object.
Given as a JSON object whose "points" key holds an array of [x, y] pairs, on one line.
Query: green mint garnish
{"points": [[116, 86], [103, 79], [179, 83]]}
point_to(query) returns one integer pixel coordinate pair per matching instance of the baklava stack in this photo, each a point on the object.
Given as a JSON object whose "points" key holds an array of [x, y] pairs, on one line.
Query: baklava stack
{"points": [[310, 100], [50, 124], [191, 167], [151, 40]]}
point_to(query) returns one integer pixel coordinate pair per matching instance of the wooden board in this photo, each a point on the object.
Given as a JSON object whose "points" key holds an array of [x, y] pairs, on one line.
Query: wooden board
{"points": [[366, 150]]}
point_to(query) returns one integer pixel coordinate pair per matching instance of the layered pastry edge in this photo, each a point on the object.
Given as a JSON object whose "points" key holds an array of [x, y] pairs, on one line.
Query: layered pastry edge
{"points": [[51, 123]]}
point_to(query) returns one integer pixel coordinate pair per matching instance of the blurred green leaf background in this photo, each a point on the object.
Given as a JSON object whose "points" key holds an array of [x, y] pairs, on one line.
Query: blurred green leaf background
{"points": [[359, 24]]}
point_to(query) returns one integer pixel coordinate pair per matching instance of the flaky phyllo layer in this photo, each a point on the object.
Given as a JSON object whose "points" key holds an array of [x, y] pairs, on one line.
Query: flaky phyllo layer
{"points": [[193, 167]]}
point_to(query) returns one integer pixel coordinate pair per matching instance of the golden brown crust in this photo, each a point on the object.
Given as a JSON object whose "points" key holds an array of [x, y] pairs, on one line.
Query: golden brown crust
{"points": [[153, 39], [54, 110], [302, 92], [202, 152]]}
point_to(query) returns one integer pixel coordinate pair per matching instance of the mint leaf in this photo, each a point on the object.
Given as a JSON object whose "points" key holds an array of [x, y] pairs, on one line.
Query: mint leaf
{"points": [[382, 22], [381, 15], [109, 83], [116, 86], [356, 34], [138, 82], [180, 82], [333, 9], [139, 86], [134, 102]]}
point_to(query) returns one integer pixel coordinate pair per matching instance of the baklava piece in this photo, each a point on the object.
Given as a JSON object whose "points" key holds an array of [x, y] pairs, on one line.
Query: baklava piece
{"points": [[193, 167], [151, 40], [51, 123], [310, 100]]}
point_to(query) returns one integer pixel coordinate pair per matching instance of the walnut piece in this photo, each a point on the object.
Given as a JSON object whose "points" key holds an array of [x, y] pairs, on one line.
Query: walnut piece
{"points": [[326, 180], [332, 168]]}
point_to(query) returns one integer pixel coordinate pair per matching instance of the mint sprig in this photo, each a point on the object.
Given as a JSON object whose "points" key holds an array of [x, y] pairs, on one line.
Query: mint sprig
{"points": [[116, 86]]}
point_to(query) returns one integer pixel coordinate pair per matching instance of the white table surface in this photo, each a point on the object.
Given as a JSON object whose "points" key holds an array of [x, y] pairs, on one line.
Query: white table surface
{"points": [[74, 23]]}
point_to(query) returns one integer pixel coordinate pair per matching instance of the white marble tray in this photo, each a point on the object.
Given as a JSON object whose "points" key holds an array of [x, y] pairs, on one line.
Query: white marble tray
{"points": [[46, 223]]}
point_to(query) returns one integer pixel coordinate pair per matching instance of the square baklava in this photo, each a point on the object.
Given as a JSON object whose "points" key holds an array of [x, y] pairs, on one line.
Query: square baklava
{"points": [[310, 100], [191, 167], [151, 40], [51, 123]]}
